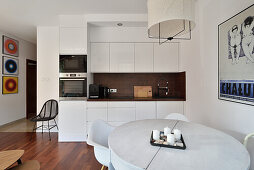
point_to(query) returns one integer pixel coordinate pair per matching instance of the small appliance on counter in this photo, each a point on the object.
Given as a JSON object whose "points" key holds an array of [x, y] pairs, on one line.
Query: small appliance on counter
{"points": [[96, 91], [103, 92], [143, 91]]}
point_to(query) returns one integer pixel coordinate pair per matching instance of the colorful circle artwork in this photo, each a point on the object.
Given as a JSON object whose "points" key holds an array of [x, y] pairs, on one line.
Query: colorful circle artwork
{"points": [[10, 46], [10, 85], [11, 66]]}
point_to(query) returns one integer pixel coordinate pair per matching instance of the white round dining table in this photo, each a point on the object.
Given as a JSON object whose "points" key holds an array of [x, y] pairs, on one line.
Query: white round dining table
{"points": [[206, 148]]}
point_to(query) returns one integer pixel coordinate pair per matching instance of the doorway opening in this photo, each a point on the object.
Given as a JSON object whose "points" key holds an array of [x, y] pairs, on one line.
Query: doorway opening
{"points": [[31, 88]]}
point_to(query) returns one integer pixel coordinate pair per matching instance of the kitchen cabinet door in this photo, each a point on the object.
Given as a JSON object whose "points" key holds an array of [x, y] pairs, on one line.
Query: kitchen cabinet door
{"points": [[145, 110], [166, 107], [72, 121], [143, 57], [73, 40], [121, 57], [96, 113], [99, 57], [121, 114], [166, 57]]}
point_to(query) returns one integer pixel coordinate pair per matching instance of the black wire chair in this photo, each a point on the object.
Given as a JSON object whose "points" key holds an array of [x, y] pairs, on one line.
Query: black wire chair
{"points": [[48, 112]]}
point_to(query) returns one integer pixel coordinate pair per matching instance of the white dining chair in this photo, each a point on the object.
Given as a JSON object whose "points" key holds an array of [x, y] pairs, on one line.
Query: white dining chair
{"points": [[245, 142], [98, 138], [177, 116]]}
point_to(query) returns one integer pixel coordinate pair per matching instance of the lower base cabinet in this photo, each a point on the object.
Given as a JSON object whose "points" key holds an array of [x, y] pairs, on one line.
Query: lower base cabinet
{"points": [[71, 121], [145, 110], [76, 117], [118, 113], [164, 108]]}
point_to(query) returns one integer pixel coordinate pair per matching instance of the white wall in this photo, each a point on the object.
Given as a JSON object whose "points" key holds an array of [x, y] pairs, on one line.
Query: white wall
{"points": [[200, 58], [47, 65], [13, 106]]}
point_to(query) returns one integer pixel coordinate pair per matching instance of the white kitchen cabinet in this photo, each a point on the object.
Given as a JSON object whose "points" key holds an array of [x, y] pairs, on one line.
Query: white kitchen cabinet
{"points": [[97, 105], [96, 113], [121, 114], [143, 57], [99, 57], [72, 121], [121, 104], [121, 57], [166, 57], [145, 110], [73, 40], [166, 107], [121, 111]]}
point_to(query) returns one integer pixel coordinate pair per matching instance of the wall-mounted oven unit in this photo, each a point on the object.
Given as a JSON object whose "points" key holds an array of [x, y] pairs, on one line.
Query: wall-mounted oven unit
{"points": [[73, 86]]}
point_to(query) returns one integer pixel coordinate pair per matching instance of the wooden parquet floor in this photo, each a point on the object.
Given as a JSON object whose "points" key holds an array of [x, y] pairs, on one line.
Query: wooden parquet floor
{"points": [[51, 154]]}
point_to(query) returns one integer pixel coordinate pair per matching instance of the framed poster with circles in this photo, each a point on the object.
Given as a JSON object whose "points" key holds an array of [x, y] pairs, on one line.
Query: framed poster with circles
{"points": [[10, 46], [10, 85], [10, 66]]}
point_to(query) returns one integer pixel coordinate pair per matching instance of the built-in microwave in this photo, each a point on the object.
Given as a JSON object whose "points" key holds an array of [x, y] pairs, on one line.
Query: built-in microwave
{"points": [[73, 64], [72, 86]]}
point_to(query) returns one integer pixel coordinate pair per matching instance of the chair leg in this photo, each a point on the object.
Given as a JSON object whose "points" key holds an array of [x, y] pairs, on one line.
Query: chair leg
{"points": [[42, 128], [49, 131], [33, 131], [56, 124]]}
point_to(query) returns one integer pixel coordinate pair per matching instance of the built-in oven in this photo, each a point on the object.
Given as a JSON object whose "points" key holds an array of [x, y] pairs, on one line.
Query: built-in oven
{"points": [[73, 64], [73, 86]]}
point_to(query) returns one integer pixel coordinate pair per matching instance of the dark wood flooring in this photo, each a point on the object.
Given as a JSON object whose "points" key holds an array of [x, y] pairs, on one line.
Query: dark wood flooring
{"points": [[50, 154]]}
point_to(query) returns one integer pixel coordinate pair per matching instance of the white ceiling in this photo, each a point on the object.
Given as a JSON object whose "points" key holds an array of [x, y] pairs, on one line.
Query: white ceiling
{"points": [[20, 17]]}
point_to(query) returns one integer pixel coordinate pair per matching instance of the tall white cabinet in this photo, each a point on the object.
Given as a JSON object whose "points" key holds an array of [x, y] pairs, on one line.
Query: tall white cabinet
{"points": [[72, 121], [73, 40]]}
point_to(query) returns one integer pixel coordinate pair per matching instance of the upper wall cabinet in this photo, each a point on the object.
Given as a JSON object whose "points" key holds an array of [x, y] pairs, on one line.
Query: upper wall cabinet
{"points": [[166, 57], [134, 57], [73, 40], [99, 57], [143, 57], [121, 57]]}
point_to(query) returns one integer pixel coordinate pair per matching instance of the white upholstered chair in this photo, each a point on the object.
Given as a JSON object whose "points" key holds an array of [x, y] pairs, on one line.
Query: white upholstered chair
{"points": [[98, 138], [247, 138], [177, 116]]}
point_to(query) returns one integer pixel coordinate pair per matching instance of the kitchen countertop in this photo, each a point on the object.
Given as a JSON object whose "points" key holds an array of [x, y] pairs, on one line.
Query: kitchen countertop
{"points": [[139, 99]]}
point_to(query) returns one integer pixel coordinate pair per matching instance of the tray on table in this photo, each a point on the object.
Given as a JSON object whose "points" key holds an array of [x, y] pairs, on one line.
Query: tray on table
{"points": [[164, 138]]}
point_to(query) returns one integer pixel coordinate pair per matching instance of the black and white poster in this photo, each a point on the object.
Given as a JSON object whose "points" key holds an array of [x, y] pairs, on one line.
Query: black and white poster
{"points": [[236, 58]]}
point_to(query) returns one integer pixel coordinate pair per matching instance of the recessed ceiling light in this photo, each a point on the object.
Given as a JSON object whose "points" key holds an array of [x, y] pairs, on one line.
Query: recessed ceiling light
{"points": [[119, 24]]}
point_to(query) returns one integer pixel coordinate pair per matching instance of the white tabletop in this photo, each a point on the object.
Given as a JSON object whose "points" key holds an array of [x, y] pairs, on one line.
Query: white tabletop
{"points": [[206, 148]]}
